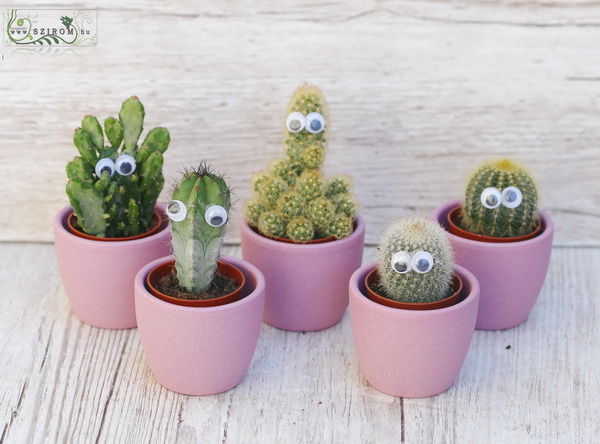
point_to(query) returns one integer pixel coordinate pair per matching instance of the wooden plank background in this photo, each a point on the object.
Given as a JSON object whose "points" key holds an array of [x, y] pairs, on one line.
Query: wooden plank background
{"points": [[420, 92]]}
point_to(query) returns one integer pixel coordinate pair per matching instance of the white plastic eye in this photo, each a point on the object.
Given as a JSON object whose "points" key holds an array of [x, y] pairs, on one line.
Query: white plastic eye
{"points": [[125, 165], [216, 216], [422, 261], [315, 123], [176, 210], [491, 198], [401, 262], [511, 197], [105, 165], [295, 122]]}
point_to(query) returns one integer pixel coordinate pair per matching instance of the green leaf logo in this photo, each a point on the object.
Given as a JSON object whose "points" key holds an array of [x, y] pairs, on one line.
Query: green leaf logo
{"points": [[66, 21]]}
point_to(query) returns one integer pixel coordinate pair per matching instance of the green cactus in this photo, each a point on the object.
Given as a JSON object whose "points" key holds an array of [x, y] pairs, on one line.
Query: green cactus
{"points": [[415, 261], [500, 201], [293, 199], [113, 188], [198, 210]]}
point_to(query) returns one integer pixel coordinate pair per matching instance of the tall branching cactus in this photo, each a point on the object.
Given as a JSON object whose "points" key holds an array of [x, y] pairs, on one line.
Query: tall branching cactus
{"points": [[293, 199], [199, 212], [415, 261], [500, 201], [113, 187]]}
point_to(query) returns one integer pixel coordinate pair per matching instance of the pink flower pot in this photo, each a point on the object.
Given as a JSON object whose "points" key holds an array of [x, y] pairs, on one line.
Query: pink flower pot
{"points": [[98, 275], [412, 353], [200, 350], [307, 284], [511, 274]]}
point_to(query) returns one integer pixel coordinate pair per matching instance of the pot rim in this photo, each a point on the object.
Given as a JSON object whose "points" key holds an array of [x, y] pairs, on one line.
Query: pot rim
{"points": [[272, 243], [245, 267], [61, 223], [357, 281], [156, 216], [547, 229], [221, 300]]}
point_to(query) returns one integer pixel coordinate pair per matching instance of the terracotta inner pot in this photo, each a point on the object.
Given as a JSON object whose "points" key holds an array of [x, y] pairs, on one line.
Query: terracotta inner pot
{"points": [[373, 278], [224, 268], [76, 229], [453, 218]]}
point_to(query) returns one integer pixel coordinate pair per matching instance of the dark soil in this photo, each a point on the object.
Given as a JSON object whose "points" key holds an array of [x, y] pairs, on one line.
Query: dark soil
{"points": [[220, 286]]}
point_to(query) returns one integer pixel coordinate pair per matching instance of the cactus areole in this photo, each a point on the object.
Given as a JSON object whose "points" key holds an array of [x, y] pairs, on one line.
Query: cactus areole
{"points": [[198, 212], [293, 201], [114, 182], [500, 205]]}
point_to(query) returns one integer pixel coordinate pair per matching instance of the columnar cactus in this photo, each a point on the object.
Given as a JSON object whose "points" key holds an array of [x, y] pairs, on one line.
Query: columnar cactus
{"points": [[113, 188], [500, 201], [415, 261], [198, 211], [293, 199]]}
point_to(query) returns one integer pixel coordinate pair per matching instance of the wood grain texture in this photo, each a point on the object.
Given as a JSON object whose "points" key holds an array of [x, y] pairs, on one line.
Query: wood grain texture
{"points": [[63, 381], [420, 92]]}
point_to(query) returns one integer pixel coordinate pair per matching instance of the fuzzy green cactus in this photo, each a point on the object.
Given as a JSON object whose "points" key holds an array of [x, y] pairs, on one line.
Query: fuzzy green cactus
{"points": [[113, 188], [198, 210], [293, 199], [500, 201], [415, 261]]}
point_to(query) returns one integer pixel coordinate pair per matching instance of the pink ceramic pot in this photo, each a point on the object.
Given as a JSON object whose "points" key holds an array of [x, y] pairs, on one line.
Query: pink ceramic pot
{"points": [[411, 353], [200, 350], [98, 276], [511, 274], [307, 284]]}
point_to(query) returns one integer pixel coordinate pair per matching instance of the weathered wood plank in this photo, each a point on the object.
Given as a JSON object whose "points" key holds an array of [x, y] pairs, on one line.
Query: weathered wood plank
{"points": [[419, 91], [65, 381]]}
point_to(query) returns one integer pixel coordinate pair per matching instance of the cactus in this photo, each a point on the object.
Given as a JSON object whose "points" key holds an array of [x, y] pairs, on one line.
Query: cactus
{"points": [[113, 188], [198, 210], [500, 201], [292, 198], [415, 261]]}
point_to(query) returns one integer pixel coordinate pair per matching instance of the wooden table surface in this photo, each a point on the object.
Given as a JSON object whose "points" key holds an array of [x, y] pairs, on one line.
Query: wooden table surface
{"points": [[64, 381]]}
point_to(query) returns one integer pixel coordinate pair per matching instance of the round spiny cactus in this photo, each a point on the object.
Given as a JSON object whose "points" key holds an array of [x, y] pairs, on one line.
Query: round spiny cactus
{"points": [[415, 261], [292, 198], [500, 201]]}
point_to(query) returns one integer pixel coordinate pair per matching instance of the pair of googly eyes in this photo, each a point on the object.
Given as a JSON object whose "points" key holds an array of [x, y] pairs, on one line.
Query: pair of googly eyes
{"points": [[510, 197], [125, 165], [421, 262], [215, 216], [313, 123]]}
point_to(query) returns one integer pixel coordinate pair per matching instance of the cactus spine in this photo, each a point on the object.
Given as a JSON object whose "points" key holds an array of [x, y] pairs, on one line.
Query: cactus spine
{"points": [[505, 220], [113, 188], [199, 212], [403, 258], [292, 199]]}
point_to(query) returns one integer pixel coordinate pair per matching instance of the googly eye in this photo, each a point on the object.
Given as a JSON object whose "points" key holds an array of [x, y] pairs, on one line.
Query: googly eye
{"points": [[125, 165], [491, 198], [511, 197], [105, 165], [216, 216], [176, 210], [401, 262], [315, 123], [295, 122], [422, 261]]}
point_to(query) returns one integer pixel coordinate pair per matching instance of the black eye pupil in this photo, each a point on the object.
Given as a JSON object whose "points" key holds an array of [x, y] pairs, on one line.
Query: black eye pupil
{"points": [[173, 208], [107, 169], [126, 168], [217, 220], [422, 264], [315, 125], [400, 266], [492, 200]]}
